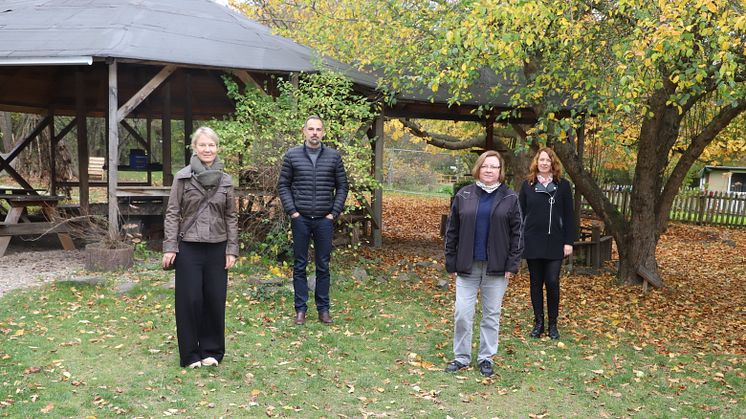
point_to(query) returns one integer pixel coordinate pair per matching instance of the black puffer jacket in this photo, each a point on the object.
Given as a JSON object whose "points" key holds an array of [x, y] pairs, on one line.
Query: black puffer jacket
{"points": [[313, 191]]}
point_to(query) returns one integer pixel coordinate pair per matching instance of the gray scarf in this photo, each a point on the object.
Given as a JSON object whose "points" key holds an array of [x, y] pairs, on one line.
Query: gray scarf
{"points": [[207, 176]]}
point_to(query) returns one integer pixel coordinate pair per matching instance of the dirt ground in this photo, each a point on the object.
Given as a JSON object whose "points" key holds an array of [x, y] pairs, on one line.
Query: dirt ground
{"points": [[30, 263]]}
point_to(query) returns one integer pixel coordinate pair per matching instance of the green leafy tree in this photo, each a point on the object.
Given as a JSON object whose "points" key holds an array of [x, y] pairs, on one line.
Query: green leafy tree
{"points": [[264, 127]]}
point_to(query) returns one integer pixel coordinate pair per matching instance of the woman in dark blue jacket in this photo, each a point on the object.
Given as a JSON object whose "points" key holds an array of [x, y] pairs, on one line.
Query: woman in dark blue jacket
{"points": [[549, 232], [482, 250]]}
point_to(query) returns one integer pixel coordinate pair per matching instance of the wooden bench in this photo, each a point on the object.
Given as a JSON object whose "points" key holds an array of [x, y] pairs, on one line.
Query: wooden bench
{"points": [[96, 168], [590, 251]]}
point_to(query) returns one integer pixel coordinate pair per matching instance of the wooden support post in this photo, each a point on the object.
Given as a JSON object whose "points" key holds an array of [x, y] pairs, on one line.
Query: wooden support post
{"points": [[580, 143], [149, 147], [596, 249], [113, 150], [489, 140], [377, 197], [52, 158], [55, 141], [168, 177], [188, 121], [81, 130]]}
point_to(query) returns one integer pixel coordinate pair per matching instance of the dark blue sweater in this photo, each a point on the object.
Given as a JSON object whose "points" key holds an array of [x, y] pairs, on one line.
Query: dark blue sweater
{"points": [[482, 226]]}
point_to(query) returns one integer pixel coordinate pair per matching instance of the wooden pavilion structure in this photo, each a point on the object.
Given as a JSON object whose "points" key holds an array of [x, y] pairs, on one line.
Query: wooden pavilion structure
{"points": [[165, 59]]}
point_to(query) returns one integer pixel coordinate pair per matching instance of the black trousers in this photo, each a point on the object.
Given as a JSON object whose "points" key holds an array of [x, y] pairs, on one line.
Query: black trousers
{"points": [[545, 272], [201, 286]]}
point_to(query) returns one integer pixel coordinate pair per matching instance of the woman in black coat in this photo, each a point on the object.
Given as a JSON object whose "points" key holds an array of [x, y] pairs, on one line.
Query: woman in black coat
{"points": [[549, 232]]}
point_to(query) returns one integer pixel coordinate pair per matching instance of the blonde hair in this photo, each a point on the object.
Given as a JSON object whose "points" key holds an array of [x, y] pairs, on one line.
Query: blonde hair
{"points": [[480, 161], [533, 169], [207, 132]]}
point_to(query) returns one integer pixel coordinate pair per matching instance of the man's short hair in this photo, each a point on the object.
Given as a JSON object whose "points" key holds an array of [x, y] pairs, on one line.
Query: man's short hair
{"points": [[318, 118]]}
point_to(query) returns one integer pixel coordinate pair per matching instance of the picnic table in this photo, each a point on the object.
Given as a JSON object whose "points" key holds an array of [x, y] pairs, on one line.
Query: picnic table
{"points": [[15, 204]]}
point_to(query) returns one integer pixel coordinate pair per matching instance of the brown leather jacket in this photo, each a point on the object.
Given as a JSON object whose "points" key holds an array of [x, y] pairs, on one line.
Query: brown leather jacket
{"points": [[217, 223]]}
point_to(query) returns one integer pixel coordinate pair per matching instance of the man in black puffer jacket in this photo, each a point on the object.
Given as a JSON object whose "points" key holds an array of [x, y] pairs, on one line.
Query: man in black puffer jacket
{"points": [[313, 189]]}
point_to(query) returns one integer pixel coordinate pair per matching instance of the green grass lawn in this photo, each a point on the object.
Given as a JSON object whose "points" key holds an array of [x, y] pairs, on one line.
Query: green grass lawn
{"points": [[80, 350]]}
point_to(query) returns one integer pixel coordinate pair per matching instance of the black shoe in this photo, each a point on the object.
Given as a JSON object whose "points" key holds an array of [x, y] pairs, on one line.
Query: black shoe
{"points": [[553, 332], [485, 367], [454, 366], [538, 328]]}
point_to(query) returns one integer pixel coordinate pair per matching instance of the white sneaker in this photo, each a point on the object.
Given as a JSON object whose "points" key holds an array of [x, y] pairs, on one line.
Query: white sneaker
{"points": [[195, 365], [209, 362]]}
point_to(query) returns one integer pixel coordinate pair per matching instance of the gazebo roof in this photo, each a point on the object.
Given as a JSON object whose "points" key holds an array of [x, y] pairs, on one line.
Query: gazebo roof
{"points": [[196, 33], [44, 42]]}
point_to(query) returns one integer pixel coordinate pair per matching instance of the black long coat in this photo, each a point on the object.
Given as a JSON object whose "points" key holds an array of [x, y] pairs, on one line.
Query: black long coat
{"points": [[547, 227]]}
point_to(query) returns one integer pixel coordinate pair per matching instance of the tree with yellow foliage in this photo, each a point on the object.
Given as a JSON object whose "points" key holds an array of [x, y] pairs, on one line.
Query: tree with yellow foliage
{"points": [[639, 66]]}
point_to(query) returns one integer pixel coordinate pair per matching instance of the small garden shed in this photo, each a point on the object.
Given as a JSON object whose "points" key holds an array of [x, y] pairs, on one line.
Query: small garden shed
{"points": [[723, 178]]}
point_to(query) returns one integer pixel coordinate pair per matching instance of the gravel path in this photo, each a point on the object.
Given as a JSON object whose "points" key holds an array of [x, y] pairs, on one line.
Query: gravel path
{"points": [[22, 268]]}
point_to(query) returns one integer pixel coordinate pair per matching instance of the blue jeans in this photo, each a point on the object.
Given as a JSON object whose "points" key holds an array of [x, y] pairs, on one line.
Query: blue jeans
{"points": [[321, 231]]}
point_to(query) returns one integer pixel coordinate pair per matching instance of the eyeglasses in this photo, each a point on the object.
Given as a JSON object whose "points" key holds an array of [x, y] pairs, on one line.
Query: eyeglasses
{"points": [[489, 166]]}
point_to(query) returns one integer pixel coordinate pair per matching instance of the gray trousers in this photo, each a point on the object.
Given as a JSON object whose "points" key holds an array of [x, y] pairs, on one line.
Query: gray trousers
{"points": [[492, 289]]}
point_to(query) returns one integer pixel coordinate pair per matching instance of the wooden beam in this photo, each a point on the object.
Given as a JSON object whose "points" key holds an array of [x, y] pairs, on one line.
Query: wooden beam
{"points": [[134, 133], [113, 150], [144, 92], [26, 229], [26, 141], [246, 78], [64, 131], [5, 161], [5, 165], [649, 277]]}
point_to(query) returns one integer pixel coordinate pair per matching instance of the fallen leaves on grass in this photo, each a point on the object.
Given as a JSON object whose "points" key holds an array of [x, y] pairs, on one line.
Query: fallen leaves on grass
{"points": [[700, 309]]}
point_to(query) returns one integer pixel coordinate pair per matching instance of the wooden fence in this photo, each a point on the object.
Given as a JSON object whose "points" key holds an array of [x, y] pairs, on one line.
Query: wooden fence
{"points": [[690, 205]]}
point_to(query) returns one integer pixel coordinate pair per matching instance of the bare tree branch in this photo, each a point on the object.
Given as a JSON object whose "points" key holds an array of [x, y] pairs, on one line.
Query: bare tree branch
{"points": [[450, 142]]}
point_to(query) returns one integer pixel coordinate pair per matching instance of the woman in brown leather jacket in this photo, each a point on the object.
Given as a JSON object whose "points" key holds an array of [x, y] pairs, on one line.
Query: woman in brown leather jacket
{"points": [[201, 227]]}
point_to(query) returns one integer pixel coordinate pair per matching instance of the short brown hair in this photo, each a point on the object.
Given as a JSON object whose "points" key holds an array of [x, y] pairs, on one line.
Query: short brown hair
{"points": [[305, 124], [533, 169], [480, 161]]}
